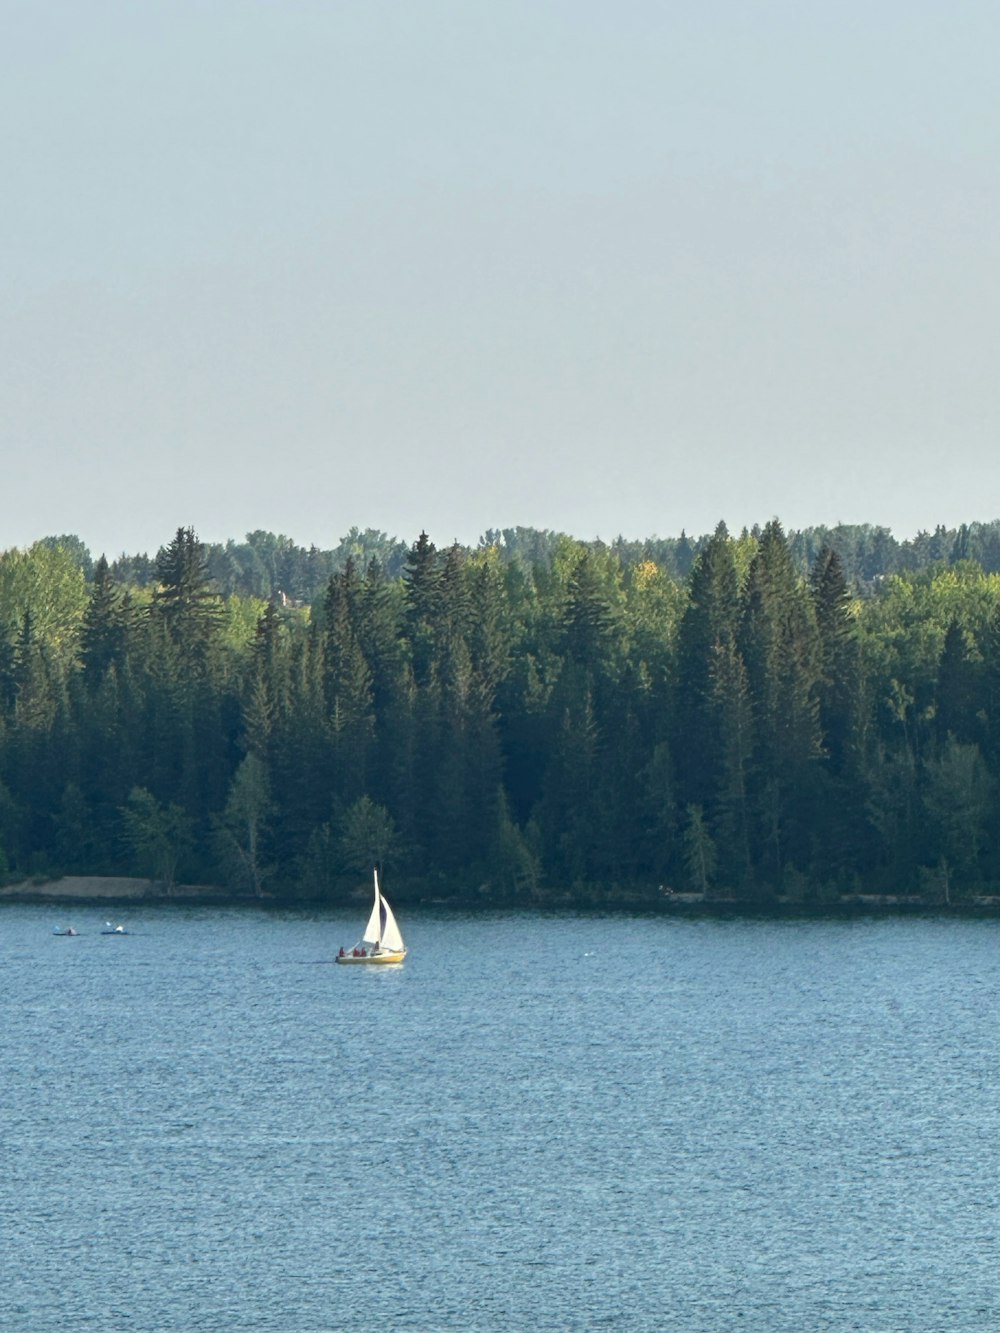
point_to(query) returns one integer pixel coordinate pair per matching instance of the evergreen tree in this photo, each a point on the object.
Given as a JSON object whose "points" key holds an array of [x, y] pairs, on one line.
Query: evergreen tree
{"points": [[368, 835], [303, 777], [453, 611], [490, 633], [780, 650], [732, 817], [588, 619], [707, 627], [539, 710], [266, 692], [566, 812], [184, 601], [422, 581], [348, 681], [838, 682]]}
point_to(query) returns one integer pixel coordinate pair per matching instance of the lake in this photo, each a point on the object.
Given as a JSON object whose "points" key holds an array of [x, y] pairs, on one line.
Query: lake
{"points": [[538, 1122]]}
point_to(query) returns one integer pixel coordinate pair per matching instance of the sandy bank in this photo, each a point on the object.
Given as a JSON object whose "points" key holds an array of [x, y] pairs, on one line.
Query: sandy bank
{"points": [[101, 888]]}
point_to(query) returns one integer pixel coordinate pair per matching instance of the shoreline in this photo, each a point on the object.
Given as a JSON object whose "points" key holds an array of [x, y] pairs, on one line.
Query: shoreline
{"points": [[99, 890], [110, 889]]}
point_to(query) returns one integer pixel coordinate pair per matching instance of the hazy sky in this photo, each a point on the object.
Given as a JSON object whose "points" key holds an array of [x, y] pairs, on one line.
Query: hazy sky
{"points": [[451, 264]]}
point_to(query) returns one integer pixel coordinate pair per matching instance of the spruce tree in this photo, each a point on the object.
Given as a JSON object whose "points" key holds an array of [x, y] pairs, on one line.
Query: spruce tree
{"points": [[708, 627], [838, 683], [348, 683], [779, 645], [422, 581], [184, 600], [105, 632]]}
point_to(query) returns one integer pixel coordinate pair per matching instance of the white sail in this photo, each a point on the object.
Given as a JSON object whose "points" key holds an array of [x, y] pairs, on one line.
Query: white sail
{"points": [[382, 940], [391, 938], [382, 931], [373, 931]]}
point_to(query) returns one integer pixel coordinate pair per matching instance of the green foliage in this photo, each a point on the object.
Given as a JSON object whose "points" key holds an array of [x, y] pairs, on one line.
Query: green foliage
{"points": [[318, 866], [240, 831], [958, 797], [367, 835], [158, 835], [753, 716], [46, 583], [513, 867], [184, 601]]}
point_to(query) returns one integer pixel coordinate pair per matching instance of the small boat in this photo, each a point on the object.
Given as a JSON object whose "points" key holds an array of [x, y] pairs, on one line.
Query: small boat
{"points": [[68, 931], [109, 929], [381, 942]]}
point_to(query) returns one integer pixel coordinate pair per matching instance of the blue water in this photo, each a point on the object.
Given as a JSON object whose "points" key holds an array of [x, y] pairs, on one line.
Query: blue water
{"points": [[537, 1123]]}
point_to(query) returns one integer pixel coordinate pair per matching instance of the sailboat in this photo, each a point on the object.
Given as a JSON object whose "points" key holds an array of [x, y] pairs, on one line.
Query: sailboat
{"points": [[381, 942]]}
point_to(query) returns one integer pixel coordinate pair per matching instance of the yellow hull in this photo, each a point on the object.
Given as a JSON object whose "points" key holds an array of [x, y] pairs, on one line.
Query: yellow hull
{"points": [[372, 958]]}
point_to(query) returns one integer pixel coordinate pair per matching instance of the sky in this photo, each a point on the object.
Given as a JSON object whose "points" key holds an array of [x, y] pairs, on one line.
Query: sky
{"points": [[452, 265]]}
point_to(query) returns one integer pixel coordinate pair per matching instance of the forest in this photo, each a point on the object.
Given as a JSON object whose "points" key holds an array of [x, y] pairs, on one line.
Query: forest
{"points": [[757, 718]]}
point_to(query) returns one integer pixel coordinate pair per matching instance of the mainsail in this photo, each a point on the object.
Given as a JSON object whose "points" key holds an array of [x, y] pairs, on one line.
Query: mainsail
{"points": [[382, 930]]}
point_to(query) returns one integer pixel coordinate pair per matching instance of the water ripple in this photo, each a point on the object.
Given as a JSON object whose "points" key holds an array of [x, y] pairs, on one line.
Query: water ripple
{"points": [[537, 1123]]}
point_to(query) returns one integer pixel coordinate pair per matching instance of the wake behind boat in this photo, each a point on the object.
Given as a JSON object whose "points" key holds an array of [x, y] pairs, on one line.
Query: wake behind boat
{"points": [[382, 941]]}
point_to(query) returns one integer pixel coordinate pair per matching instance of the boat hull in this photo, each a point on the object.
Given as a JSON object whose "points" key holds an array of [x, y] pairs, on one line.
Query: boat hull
{"points": [[373, 959]]}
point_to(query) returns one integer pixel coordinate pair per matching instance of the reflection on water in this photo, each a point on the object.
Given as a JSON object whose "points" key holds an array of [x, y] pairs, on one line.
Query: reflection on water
{"points": [[536, 1123]]}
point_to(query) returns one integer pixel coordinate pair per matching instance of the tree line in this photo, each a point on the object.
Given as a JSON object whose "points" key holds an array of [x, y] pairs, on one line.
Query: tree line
{"points": [[536, 719], [271, 565]]}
